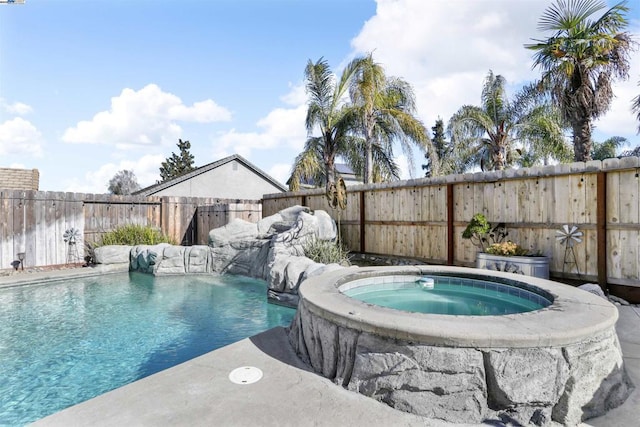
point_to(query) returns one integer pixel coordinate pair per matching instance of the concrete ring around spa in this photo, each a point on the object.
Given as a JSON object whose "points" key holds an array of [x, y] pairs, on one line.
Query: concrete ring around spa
{"points": [[560, 363], [573, 315]]}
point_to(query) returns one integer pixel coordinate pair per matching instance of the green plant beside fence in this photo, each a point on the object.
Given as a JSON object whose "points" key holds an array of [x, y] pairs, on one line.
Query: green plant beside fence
{"points": [[132, 235]]}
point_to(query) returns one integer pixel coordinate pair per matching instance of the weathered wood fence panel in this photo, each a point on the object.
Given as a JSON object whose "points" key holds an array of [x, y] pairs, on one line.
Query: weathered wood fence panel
{"points": [[218, 215], [34, 222], [411, 218], [105, 212]]}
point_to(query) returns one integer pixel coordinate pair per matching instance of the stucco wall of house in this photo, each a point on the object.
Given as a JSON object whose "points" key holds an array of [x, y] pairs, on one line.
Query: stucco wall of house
{"points": [[232, 180]]}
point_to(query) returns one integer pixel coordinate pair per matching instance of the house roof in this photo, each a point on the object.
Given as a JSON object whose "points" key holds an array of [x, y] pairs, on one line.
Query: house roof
{"points": [[206, 168], [344, 169]]}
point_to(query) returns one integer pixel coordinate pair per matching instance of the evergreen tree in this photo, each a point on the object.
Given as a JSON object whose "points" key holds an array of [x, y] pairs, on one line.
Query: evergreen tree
{"points": [[177, 164], [441, 149], [123, 183]]}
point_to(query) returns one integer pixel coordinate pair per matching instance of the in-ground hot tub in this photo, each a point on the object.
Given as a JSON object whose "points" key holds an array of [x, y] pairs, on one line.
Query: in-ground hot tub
{"points": [[562, 362]]}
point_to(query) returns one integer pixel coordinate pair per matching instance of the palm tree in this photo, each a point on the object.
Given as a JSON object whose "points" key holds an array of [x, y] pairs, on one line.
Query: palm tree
{"points": [[385, 107], [580, 61], [495, 134], [636, 108], [332, 117], [608, 148]]}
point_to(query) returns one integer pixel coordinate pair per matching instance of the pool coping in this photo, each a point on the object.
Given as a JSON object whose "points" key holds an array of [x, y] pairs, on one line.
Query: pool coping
{"points": [[20, 278], [573, 317]]}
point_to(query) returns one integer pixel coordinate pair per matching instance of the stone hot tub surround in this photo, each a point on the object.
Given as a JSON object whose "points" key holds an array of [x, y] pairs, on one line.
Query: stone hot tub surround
{"points": [[562, 363]]}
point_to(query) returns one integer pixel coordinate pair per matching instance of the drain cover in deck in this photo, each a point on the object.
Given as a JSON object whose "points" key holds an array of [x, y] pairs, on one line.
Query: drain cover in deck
{"points": [[245, 375]]}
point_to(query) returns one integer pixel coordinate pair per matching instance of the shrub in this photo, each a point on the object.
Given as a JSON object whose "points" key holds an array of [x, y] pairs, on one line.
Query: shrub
{"points": [[132, 235], [326, 252], [507, 249], [482, 233]]}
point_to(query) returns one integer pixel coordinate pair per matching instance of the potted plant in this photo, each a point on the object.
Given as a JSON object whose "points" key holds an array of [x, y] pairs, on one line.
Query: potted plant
{"points": [[499, 254]]}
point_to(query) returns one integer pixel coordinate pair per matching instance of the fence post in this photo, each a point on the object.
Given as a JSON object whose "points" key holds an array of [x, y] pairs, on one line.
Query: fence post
{"points": [[164, 216], [601, 229], [362, 217], [450, 234]]}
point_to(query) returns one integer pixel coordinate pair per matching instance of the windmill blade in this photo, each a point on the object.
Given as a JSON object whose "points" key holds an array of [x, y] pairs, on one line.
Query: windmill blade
{"points": [[569, 235]]}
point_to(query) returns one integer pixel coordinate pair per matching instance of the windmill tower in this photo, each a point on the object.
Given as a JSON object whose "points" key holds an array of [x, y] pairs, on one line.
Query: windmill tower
{"points": [[71, 237], [569, 236]]}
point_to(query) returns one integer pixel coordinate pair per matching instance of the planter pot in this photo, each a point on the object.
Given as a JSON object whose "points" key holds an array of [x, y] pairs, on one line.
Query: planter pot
{"points": [[536, 266]]}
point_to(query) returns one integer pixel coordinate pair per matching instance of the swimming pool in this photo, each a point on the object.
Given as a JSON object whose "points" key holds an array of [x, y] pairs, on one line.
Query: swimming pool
{"points": [[65, 342]]}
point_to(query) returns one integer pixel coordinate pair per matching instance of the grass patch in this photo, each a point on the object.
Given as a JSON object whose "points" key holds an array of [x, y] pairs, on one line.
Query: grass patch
{"points": [[132, 235], [326, 252]]}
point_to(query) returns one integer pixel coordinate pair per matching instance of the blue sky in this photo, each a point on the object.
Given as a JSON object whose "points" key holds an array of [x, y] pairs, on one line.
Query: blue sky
{"points": [[91, 87]]}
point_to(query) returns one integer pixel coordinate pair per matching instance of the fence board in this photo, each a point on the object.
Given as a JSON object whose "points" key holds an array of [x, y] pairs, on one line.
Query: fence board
{"points": [[6, 230], [19, 240]]}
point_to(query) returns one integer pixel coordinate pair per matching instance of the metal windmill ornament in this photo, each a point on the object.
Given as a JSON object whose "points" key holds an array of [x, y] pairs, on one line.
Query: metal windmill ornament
{"points": [[71, 237], [569, 236]]}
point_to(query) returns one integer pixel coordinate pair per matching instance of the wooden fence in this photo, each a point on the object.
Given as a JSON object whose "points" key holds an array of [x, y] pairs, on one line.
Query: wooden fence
{"points": [[34, 222], [424, 218]]}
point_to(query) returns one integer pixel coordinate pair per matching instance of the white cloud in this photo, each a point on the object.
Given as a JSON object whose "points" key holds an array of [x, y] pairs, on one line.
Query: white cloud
{"points": [[619, 120], [280, 172], [97, 181], [19, 136], [403, 164], [444, 48], [17, 108], [296, 96], [281, 128], [145, 117]]}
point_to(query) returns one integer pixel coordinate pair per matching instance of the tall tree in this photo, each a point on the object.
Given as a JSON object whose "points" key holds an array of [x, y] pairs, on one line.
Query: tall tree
{"points": [[494, 134], [332, 118], [177, 164], [123, 183], [608, 148], [441, 150], [636, 108], [582, 58], [385, 107]]}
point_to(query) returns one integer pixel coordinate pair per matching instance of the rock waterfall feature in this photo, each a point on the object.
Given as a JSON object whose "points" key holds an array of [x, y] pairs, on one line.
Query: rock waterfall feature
{"points": [[271, 249]]}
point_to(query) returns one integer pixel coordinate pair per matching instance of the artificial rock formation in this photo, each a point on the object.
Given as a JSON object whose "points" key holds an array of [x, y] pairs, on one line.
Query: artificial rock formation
{"points": [[271, 249]]}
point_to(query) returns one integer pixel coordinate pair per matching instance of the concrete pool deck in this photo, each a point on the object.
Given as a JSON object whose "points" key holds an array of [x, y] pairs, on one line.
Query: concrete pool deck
{"points": [[199, 392]]}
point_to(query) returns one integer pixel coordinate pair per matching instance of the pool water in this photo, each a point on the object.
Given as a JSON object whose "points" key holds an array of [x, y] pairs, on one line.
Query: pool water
{"points": [[63, 343], [450, 295]]}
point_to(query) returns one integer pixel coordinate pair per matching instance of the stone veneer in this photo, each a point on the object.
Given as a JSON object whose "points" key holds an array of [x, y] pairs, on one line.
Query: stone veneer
{"points": [[562, 363]]}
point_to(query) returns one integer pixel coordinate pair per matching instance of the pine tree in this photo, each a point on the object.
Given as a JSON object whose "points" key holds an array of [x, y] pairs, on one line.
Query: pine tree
{"points": [[440, 145], [177, 164]]}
